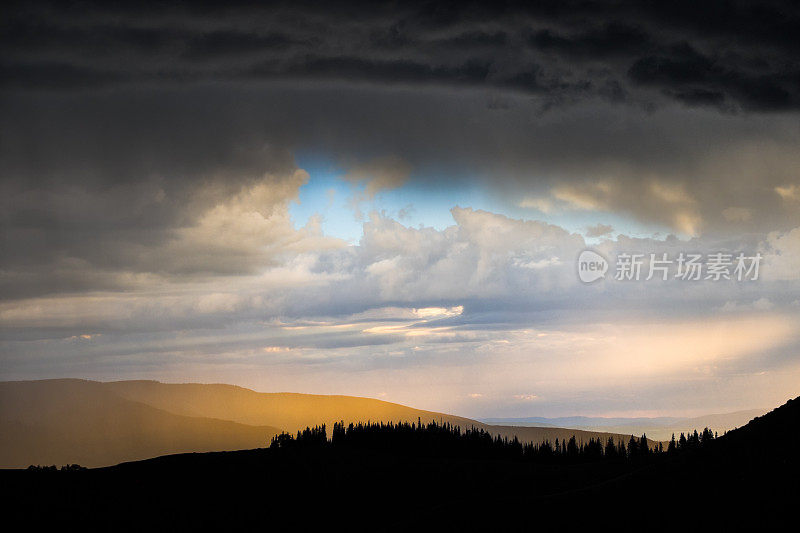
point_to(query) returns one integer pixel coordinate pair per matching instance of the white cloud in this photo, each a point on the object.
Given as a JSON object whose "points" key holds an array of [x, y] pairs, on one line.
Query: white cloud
{"points": [[275, 349], [542, 204], [437, 312], [483, 254], [782, 255]]}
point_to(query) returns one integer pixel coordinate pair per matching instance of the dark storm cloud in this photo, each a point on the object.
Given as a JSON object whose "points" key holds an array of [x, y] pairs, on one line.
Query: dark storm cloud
{"points": [[732, 55], [685, 74], [92, 188], [131, 131], [604, 41], [101, 187]]}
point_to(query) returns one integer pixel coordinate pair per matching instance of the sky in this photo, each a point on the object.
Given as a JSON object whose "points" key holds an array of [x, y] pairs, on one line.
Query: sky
{"points": [[389, 199]]}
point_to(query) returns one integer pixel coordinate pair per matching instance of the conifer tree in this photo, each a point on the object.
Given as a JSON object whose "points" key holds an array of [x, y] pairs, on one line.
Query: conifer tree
{"points": [[633, 447], [644, 448]]}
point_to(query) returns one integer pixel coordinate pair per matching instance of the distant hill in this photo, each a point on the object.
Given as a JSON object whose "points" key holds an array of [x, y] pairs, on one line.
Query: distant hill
{"points": [[288, 411], [292, 411], [74, 421], [95, 424], [659, 428]]}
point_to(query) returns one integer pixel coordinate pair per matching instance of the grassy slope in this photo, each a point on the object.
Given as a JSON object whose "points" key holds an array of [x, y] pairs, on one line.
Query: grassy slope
{"points": [[288, 411], [292, 411], [74, 421], [93, 424]]}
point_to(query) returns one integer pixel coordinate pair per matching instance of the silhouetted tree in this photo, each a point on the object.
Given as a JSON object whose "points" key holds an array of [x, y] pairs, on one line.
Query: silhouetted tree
{"points": [[633, 447], [673, 446], [611, 448], [644, 448]]}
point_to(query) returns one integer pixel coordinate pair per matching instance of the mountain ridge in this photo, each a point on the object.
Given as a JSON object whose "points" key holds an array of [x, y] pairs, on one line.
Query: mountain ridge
{"points": [[60, 421], [659, 428]]}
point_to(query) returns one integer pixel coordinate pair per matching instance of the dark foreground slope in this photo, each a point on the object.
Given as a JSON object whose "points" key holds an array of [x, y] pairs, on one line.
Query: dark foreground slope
{"points": [[748, 477]]}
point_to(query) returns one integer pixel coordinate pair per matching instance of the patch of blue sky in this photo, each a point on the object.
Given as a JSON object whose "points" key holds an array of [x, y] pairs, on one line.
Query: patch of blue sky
{"points": [[420, 203]]}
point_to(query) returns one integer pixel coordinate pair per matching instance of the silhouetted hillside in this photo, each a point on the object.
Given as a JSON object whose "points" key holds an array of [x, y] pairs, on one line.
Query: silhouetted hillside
{"points": [[746, 478], [780, 428], [434, 478]]}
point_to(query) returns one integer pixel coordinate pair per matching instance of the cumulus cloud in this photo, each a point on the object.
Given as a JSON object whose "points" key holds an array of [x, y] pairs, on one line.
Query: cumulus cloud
{"points": [[485, 268], [490, 303], [599, 230], [782, 255], [482, 254]]}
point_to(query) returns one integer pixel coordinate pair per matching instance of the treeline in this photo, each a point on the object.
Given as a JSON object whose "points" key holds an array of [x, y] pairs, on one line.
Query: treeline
{"points": [[695, 441], [443, 439], [54, 468]]}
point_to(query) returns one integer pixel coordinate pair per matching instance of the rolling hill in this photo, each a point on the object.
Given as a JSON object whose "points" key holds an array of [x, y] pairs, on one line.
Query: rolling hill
{"points": [[95, 424], [292, 411], [74, 421], [288, 411]]}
